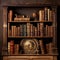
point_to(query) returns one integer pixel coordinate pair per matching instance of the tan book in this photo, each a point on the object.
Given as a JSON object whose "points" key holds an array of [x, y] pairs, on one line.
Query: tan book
{"points": [[41, 15], [48, 14], [8, 47]]}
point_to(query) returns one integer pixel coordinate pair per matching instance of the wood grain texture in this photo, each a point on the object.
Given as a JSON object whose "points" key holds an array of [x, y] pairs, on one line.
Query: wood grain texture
{"points": [[15, 2], [28, 58]]}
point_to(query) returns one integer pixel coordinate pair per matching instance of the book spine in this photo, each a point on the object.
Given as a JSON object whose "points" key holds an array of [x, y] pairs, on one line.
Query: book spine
{"points": [[12, 30], [11, 47], [21, 30], [46, 13], [10, 14], [41, 46], [8, 29], [31, 30], [18, 31], [8, 47], [41, 15], [25, 30], [16, 48], [38, 28], [35, 31], [41, 29], [46, 30], [28, 29]]}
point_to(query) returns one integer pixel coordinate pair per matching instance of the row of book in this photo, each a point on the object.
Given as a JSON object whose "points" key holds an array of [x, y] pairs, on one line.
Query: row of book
{"points": [[13, 48], [45, 14], [30, 30], [16, 49]]}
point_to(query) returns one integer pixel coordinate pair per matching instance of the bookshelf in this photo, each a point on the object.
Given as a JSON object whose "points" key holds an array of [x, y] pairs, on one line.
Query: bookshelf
{"points": [[29, 32]]}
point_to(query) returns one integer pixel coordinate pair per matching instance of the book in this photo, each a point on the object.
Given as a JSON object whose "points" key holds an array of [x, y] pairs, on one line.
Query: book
{"points": [[10, 15], [8, 47], [21, 19], [11, 47], [46, 14], [28, 29], [49, 48], [41, 46], [41, 29], [41, 15], [16, 48]]}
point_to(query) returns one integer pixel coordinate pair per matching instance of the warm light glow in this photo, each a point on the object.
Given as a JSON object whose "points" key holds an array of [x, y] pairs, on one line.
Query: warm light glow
{"points": [[27, 43], [4, 25]]}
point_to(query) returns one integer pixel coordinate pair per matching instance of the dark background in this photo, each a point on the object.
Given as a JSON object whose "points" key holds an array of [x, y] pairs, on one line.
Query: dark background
{"points": [[14, 2]]}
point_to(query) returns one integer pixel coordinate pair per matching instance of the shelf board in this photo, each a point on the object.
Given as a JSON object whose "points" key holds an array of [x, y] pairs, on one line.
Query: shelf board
{"points": [[33, 4], [30, 54], [30, 37], [30, 21]]}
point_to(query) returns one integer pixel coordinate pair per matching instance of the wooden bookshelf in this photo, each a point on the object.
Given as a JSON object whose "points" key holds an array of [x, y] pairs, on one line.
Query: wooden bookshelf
{"points": [[29, 31]]}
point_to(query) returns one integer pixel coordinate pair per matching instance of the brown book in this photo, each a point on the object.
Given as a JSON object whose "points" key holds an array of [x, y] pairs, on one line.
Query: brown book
{"points": [[41, 46], [52, 31], [46, 30], [10, 15], [11, 47], [49, 48], [13, 30], [49, 31], [31, 30], [18, 31], [35, 31], [46, 14], [16, 48], [50, 16], [9, 30], [28, 29], [38, 29], [41, 29]]}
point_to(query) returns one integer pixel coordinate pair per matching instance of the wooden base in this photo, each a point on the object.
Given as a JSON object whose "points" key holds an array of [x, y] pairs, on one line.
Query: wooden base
{"points": [[29, 57]]}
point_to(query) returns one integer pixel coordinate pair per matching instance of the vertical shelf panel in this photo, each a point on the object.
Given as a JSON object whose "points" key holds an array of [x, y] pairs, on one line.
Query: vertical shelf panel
{"points": [[4, 30]]}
